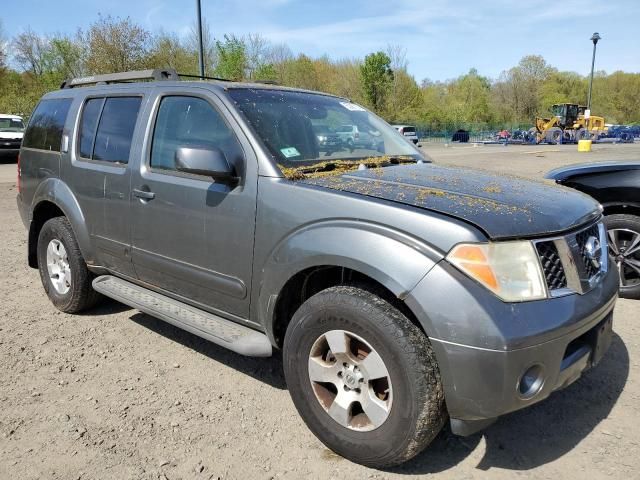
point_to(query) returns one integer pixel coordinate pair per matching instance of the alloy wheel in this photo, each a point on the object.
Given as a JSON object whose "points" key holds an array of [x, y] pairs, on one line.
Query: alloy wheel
{"points": [[350, 380], [58, 267], [624, 245]]}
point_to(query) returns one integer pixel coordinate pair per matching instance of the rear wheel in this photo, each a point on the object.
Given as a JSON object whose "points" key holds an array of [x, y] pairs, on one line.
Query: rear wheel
{"points": [[363, 377], [624, 244], [63, 272]]}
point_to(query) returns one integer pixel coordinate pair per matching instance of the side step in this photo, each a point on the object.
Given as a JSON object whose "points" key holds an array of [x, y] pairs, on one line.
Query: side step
{"points": [[218, 330]]}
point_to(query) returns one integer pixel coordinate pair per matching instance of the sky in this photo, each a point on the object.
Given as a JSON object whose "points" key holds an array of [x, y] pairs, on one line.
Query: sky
{"points": [[443, 39]]}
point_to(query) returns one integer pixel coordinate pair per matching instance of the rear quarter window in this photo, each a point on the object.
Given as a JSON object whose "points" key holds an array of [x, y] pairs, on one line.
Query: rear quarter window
{"points": [[45, 127]]}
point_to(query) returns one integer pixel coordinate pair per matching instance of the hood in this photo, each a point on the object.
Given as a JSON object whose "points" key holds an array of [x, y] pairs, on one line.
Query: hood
{"points": [[502, 206], [565, 173]]}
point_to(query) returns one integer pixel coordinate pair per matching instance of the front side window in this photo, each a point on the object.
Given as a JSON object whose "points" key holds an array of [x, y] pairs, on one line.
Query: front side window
{"points": [[45, 127], [189, 122]]}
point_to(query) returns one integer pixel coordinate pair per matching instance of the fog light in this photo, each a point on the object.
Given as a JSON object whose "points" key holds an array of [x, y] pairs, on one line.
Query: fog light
{"points": [[531, 382]]}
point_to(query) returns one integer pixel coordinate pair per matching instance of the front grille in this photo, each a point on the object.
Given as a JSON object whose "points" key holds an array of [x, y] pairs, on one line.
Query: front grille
{"points": [[581, 239], [551, 265], [567, 264]]}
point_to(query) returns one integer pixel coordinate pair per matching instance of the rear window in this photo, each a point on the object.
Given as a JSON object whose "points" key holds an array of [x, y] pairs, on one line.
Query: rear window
{"points": [[409, 129], [106, 128], [45, 127]]}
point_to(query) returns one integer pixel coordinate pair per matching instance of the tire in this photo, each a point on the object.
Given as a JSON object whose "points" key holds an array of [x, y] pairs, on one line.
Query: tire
{"points": [[582, 134], [554, 135], [414, 398], [59, 256], [623, 232]]}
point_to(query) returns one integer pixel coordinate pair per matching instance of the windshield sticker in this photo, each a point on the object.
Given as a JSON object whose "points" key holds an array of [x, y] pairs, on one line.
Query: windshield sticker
{"points": [[290, 152], [352, 106]]}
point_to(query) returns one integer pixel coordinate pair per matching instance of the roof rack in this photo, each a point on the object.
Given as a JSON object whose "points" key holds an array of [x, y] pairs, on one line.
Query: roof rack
{"points": [[156, 74]]}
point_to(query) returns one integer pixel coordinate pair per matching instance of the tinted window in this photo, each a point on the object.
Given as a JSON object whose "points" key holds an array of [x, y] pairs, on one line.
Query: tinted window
{"points": [[115, 129], [189, 121], [45, 128], [90, 114]]}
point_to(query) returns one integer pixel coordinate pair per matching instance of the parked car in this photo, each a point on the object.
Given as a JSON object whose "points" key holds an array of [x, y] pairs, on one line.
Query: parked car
{"points": [[408, 131], [328, 140], [616, 185], [402, 294], [357, 138], [11, 132]]}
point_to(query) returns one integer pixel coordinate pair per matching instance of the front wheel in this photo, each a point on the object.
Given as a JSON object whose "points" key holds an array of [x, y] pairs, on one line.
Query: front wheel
{"points": [[363, 377], [624, 244]]}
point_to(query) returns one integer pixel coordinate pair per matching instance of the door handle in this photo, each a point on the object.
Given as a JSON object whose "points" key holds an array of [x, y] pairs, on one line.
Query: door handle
{"points": [[143, 194]]}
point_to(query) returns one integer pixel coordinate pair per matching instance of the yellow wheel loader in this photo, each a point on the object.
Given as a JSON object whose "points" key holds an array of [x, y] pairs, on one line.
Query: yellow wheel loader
{"points": [[567, 125]]}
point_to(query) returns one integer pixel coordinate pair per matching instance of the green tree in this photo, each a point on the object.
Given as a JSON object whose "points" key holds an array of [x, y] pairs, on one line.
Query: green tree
{"points": [[31, 51], [377, 78], [168, 51], [116, 45], [232, 58]]}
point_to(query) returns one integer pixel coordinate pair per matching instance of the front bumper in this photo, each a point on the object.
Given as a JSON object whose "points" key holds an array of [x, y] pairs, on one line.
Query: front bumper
{"points": [[484, 346]]}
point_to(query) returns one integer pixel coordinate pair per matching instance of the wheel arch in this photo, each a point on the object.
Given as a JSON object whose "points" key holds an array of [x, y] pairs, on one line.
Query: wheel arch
{"points": [[319, 256], [625, 208], [54, 198]]}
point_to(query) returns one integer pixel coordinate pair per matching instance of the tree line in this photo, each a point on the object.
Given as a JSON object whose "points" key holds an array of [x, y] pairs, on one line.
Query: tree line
{"points": [[33, 63]]}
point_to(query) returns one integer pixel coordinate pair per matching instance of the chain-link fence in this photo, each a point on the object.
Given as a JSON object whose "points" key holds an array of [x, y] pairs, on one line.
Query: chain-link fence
{"points": [[474, 133]]}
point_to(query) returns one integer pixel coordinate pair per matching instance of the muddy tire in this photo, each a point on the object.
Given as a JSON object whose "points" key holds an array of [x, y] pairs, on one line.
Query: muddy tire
{"points": [[363, 377], [63, 272]]}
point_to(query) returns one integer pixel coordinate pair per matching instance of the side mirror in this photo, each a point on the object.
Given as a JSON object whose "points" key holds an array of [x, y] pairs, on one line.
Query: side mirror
{"points": [[209, 161]]}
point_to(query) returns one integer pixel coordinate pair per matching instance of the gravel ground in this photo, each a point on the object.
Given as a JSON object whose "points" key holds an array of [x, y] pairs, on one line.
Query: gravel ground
{"points": [[118, 394]]}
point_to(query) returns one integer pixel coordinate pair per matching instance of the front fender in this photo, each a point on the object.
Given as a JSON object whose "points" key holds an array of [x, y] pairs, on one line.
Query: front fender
{"points": [[57, 192], [394, 259]]}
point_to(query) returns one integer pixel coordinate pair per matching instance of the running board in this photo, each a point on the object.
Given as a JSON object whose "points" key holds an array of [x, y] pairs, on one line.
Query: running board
{"points": [[218, 330]]}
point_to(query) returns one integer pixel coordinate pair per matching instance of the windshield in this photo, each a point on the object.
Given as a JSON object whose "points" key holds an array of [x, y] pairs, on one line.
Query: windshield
{"points": [[11, 125], [294, 127]]}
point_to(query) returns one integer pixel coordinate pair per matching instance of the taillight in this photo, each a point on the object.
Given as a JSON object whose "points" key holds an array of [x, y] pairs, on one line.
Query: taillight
{"points": [[402, 131], [356, 135], [19, 184]]}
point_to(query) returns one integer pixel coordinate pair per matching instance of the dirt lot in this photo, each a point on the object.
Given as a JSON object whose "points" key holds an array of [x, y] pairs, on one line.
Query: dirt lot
{"points": [[117, 394]]}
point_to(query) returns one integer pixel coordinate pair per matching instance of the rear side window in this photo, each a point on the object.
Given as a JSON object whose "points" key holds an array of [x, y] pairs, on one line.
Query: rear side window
{"points": [[106, 128], [88, 124], [45, 128]]}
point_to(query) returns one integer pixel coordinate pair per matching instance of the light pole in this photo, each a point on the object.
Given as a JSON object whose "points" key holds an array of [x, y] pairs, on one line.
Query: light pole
{"points": [[594, 38], [201, 47]]}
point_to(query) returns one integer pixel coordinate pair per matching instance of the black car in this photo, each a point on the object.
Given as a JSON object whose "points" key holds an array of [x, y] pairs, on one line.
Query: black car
{"points": [[616, 185]]}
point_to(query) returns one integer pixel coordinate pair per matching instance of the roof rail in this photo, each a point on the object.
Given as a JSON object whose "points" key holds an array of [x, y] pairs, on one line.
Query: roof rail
{"points": [[156, 74]]}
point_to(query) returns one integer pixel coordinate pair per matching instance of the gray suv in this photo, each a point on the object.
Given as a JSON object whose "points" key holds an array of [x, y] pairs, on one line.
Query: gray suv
{"points": [[402, 294]]}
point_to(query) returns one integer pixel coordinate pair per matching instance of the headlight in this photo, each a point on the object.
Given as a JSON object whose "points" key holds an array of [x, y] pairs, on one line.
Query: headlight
{"points": [[511, 270], [322, 138]]}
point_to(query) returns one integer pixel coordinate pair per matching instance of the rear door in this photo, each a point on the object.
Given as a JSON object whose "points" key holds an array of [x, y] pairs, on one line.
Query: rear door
{"points": [[100, 174], [193, 237]]}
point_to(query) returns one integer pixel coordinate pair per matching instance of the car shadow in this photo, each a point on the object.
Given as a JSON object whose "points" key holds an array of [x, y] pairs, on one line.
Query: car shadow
{"points": [[267, 370], [106, 306], [539, 434]]}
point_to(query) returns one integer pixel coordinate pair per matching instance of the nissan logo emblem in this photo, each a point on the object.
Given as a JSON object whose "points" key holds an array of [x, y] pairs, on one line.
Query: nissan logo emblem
{"points": [[593, 251]]}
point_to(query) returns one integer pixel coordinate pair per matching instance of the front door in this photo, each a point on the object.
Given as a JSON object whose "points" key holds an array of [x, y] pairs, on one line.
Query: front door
{"points": [[191, 236]]}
